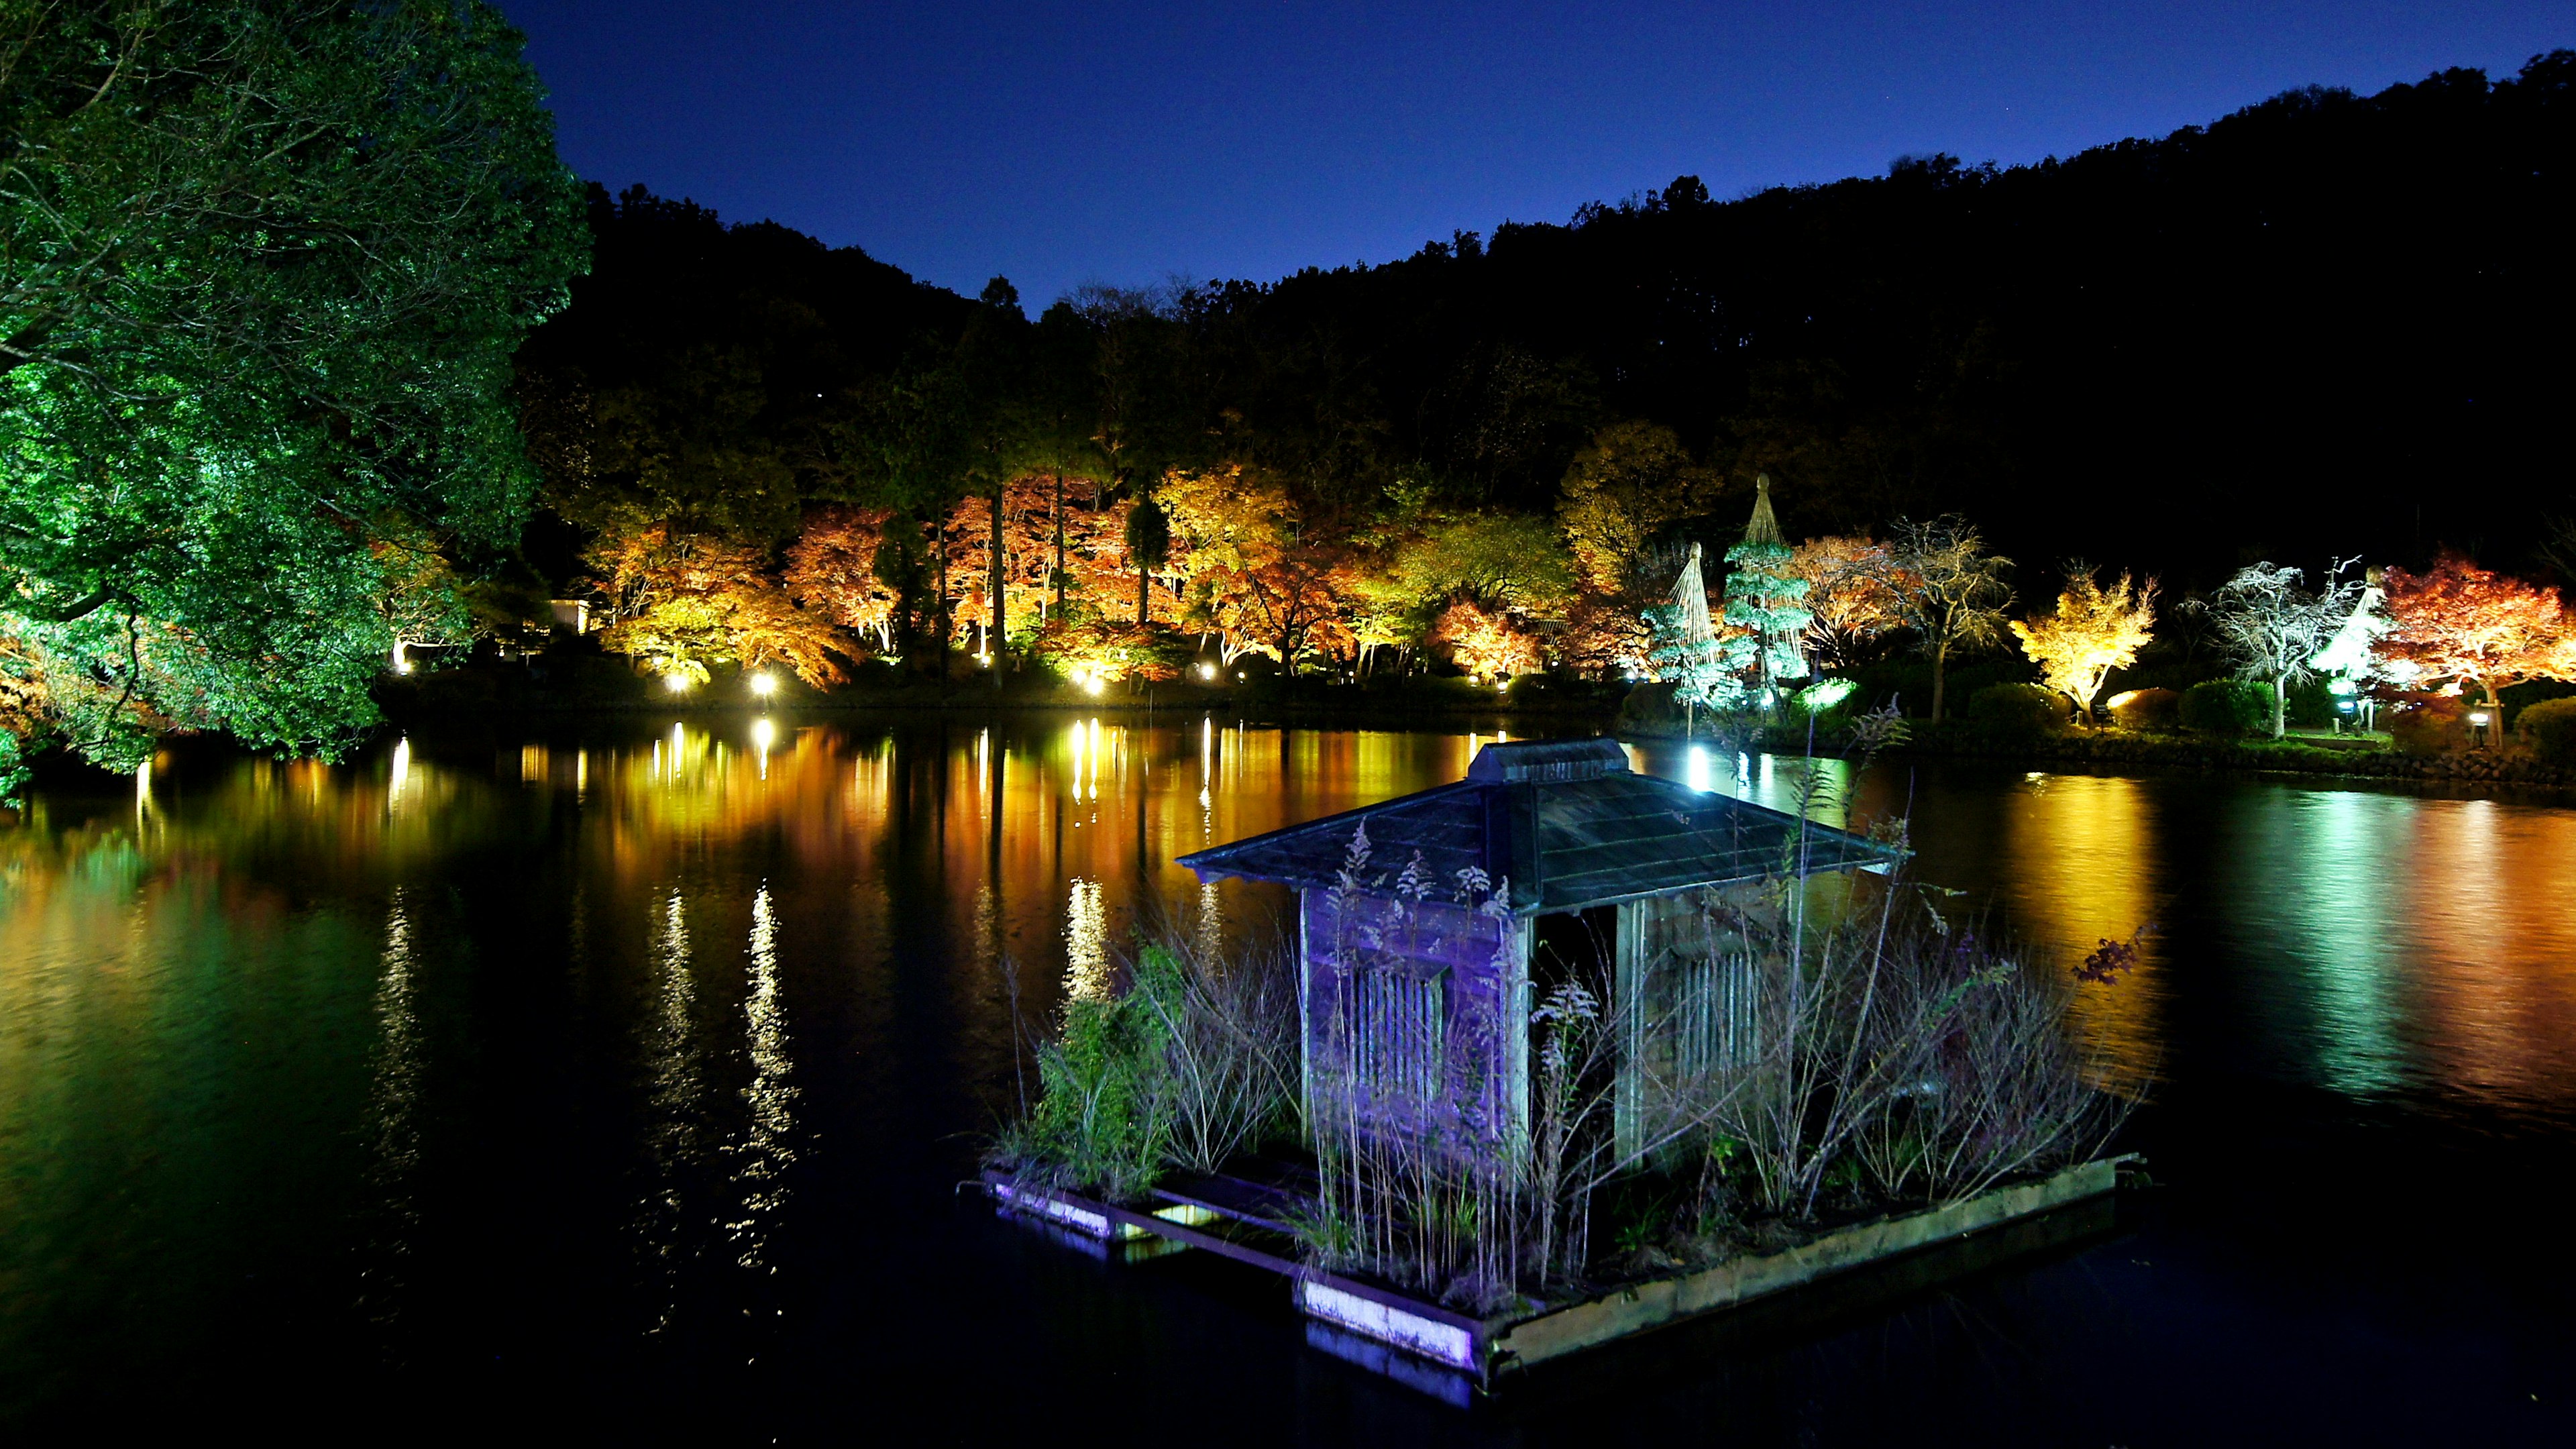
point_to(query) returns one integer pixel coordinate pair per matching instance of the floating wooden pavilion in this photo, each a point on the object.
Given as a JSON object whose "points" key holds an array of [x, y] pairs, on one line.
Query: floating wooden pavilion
{"points": [[1430, 925]]}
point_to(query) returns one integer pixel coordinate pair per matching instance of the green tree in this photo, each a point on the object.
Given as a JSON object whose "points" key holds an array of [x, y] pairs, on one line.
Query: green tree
{"points": [[1630, 484], [1765, 603], [262, 269]]}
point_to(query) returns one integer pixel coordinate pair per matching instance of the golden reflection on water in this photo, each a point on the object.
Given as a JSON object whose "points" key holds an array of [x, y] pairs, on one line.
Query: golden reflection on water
{"points": [[731, 881], [2081, 857]]}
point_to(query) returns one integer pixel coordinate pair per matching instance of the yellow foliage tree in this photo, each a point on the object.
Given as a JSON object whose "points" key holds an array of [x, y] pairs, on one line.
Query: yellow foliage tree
{"points": [[1486, 642], [2094, 631], [1634, 480], [682, 601]]}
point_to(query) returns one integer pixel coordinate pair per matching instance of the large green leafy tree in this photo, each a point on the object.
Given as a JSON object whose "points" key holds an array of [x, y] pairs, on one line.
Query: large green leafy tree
{"points": [[262, 267]]}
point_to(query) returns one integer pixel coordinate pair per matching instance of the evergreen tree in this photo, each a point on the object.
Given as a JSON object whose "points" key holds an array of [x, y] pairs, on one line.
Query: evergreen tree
{"points": [[1764, 603], [1684, 649]]}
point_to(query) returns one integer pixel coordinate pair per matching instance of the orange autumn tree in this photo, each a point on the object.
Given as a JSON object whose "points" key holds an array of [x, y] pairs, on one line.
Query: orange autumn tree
{"points": [[681, 601], [831, 570], [2464, 625], [1486, 642], [2094, 631], [1855, 592]]}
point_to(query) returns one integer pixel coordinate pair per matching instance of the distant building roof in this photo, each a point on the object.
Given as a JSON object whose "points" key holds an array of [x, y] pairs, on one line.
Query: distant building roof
{"points": [[1566, 821]]}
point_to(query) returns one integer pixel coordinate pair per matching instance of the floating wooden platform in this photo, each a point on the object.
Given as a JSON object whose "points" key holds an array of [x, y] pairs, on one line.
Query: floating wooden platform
{"points": [[1450, 1354]]}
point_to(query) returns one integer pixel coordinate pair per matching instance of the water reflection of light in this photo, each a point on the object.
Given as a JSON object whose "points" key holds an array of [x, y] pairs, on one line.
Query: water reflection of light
{"points": [[2079, 867], [760, 1176], [532, 764], [394, 1096], [1207, 776], [763, 735], [2314, 890], [1695, 769], [1211, 921], [675, 1089], [401, 775], [1095, 759], [1086, 941], [580, 776]]}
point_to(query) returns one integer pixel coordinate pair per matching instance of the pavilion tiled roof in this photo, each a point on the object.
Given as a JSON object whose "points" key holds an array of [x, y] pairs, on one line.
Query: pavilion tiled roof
{"points": [[1566, 821]]}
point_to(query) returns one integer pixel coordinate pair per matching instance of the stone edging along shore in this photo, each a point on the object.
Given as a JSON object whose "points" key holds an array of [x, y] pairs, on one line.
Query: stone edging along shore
{"points": [[2121, 747]]}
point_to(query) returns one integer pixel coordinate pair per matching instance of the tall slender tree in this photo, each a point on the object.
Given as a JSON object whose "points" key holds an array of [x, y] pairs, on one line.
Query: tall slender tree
{"points": [[1950, 591]]}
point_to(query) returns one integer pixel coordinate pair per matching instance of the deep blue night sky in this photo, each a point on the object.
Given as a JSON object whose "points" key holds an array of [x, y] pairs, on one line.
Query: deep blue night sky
{"points": [[1062, 144]]}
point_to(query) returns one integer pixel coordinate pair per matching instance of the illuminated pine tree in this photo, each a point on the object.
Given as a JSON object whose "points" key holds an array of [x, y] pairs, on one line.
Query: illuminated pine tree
{"points": [[1765, 602], [1684, 651]]}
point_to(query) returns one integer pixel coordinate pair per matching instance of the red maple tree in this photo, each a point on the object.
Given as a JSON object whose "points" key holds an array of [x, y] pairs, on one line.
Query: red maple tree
{"points": [[2471, 626]]}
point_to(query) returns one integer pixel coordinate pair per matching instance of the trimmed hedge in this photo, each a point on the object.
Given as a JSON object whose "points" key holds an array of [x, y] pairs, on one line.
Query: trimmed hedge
{"points": [[2232, 708], [2549, 729], [2147, 709], [2018, 709]]}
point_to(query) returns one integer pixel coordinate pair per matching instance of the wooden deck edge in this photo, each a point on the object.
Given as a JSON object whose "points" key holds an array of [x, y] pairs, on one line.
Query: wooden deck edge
{"points": [[1641, 1307]]}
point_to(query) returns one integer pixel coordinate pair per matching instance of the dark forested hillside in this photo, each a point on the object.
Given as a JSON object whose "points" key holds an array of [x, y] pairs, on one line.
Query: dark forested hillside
{"points": [[2325, 323], [2328, 324]]}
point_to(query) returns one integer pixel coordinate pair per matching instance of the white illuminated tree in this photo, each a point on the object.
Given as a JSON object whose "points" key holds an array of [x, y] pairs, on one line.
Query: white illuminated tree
{"points": [[2275, 629]]}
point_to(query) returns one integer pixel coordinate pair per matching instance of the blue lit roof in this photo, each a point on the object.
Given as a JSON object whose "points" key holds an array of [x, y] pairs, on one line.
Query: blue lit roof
{"points": [[1566, 821]]}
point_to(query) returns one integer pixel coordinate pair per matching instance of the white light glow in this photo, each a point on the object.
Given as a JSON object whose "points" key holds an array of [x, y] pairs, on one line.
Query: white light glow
{"points": [[676, 683], [764, 684]]}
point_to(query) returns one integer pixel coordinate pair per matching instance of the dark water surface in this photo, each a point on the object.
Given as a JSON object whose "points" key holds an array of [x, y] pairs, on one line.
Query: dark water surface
{"points": [[624, 1081]]}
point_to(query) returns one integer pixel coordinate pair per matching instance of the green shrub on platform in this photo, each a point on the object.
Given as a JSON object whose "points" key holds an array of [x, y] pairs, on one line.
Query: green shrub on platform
{"points": [[2549, 730], [2018, 710], [2230, 707], [1105, 1116]]}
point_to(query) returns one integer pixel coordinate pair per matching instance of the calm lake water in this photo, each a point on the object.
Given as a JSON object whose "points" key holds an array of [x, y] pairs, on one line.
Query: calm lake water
{"points": [[626, 1079]]}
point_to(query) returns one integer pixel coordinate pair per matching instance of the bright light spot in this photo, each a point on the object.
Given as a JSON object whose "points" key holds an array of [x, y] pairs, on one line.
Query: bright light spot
{"points": [[763, 734], [1502, 686], [1207, 671], [1091, 683], [1695, 772], [985, 660], [2341, 686], [1824, 694], [676, 683], [2478, 717], [2122, 699], [764, 684]]}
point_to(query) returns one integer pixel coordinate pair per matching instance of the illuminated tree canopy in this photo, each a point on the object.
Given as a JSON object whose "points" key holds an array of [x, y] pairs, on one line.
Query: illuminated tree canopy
{"points": [[2273, 627], [2459, 623], [262, 269], [2094, 630]]}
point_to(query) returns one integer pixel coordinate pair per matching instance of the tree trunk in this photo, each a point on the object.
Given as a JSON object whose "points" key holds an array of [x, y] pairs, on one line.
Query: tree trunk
{"points": [[1144, 596], [2280, 707], [1059, 547], [996, 628], [1940, 656]]}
